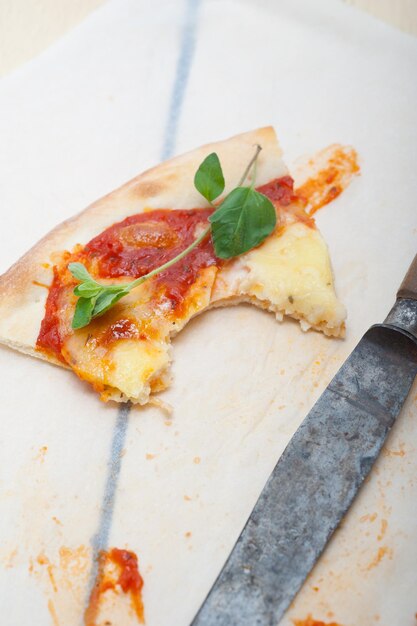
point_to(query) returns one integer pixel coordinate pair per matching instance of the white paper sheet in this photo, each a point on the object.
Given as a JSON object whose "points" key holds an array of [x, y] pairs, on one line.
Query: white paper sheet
{"points": [[104, 103]]}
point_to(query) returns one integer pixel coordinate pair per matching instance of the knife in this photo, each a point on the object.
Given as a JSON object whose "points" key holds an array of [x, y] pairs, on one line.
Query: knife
{"points": [[319, 474]]}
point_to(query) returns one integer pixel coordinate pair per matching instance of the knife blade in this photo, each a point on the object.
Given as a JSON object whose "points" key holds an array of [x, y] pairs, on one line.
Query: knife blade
{"points": [[319, 474]]}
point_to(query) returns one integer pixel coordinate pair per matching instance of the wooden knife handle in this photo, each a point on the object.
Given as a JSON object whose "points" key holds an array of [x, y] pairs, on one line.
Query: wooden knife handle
{"points": [[408, 288]]}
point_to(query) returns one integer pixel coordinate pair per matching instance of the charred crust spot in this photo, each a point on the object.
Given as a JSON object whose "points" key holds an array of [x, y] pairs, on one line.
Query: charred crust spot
{"points": [[149, 190]]}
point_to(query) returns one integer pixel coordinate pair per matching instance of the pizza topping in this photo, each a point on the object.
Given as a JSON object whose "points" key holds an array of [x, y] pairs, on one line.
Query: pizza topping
{"points": [[109, 256], [245, 217], [134, 248], [122, 329], [94, 298], [209, 179], [142, 246], [153, 234], [171, 252], [49, 334], [241, 222], [174, 253], [280, 190], [141, 243], [130, 249]]}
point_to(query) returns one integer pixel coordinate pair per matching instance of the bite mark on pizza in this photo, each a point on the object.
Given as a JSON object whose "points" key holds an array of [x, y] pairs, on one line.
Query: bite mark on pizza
{"points": [[125, 354]]}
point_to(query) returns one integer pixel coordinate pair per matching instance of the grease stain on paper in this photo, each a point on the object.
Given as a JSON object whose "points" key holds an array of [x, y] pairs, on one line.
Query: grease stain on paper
{"points": [[383, 551], [41, 454], [64, 578], [389, 452], [310, 621]]}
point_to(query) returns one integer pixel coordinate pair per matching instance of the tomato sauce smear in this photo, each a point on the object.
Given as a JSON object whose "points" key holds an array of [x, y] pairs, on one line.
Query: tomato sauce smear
{"points": [[139, 244], [143, 242], [129, 580], [310, 621], [49, 337]]}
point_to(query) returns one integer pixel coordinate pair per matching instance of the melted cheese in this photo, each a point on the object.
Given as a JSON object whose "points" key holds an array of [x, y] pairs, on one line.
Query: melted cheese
{"points": [[131, 367], [291, 272]]}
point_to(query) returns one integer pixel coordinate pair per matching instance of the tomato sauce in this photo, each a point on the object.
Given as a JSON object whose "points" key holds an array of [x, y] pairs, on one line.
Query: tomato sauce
{"points": [[136, 246], [327, 183], [49, 335], [129, 580], [122, 329], [143, 242], [280, 190]]}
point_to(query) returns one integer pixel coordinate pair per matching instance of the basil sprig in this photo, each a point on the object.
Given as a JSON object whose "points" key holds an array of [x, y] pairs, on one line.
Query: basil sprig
{"points": [[239, 223]]}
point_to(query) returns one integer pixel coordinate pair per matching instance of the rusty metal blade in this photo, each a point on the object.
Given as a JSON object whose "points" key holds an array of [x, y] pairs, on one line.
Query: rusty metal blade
{"points": [[314, 483]]}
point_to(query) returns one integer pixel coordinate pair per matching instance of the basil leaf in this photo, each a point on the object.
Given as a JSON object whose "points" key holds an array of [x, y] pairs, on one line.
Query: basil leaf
{"points": [[106, 300], [242, 221], [87, 289], [79, 271], [209, 179], [83, 312]]}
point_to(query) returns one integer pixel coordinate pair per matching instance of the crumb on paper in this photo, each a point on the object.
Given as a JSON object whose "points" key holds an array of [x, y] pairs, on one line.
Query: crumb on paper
{"points": [[160, 404], [187, 534], [197, 460], [41, 454], [149, 456], [187, 498]]}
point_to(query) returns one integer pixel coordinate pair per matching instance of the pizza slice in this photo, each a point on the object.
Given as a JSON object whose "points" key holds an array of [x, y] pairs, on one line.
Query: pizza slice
{"points": [[125, 353]]}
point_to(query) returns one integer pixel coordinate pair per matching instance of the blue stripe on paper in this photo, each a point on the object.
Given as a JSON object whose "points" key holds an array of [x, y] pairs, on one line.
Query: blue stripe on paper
{"points": [[182, 73], [100, 540]]}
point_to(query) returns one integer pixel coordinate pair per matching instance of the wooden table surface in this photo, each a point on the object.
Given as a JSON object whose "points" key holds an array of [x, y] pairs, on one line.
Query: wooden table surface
{"points": [[29, 26]]}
